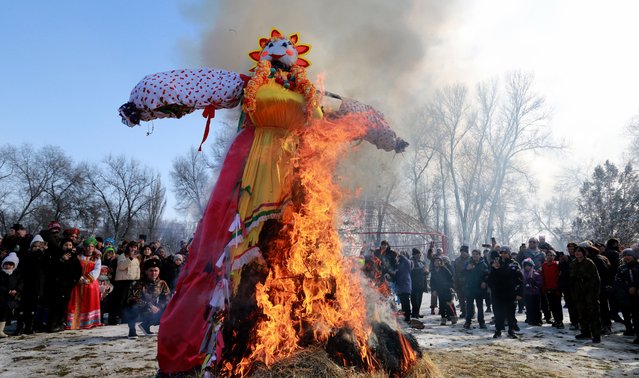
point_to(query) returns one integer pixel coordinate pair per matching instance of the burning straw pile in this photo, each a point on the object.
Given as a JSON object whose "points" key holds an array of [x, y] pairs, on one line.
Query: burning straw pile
{"points": [[303, 310], [314, 362]]}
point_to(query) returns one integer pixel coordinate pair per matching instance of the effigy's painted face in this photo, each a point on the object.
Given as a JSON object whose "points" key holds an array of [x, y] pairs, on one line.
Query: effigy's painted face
{"points": [[280, 50]]}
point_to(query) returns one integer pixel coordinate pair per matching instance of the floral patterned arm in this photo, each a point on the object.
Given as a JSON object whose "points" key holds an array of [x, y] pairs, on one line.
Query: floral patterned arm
{"points": [[379, 132], [174, 94]]}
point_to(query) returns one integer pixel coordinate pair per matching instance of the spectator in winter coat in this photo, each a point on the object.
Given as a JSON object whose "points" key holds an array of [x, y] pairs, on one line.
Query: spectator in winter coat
{"points": [[605, 287], [430, 255], [506, 282], [550, 274], [127, 272], [418, 275], [389, 262], [441, 281], [585, 286], [532, 293], [613, 254], [564, 284], [487, 295], [170, 271], [626, 285], [10, 289], [64, 273], [147, 299], [404, 284], [33, 267], [459, 270], [476, 272], [534, 253]]}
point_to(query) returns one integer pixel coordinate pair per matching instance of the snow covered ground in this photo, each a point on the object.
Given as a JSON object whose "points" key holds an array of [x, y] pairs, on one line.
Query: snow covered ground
{"points": [[539, 352]]}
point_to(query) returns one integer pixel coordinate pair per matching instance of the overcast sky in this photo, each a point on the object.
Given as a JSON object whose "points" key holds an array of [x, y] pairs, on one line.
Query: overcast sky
{"points": [[68, 66]]}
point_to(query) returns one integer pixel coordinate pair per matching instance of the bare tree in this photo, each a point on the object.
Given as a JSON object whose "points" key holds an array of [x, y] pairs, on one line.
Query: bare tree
{"points": [[152, 213], [521, 128], [480, 143], [123, 189], [31, 173], [423, 193], [190, 177]]}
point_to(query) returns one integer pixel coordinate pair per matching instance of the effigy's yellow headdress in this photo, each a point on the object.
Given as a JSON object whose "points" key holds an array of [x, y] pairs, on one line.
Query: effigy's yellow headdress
{"points": [[278, 48]]}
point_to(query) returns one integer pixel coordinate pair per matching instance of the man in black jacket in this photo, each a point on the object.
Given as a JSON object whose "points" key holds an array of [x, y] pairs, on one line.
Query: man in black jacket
{"points": [[476, 272], [506, 282]]}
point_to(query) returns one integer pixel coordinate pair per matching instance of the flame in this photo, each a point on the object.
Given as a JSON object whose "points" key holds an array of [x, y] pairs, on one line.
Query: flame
{"points": [[310, 289], [408, 354]]}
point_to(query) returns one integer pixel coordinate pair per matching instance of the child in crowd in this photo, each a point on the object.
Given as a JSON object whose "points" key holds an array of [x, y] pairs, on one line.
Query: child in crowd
{"points": [[10, 289], [532, 292]]}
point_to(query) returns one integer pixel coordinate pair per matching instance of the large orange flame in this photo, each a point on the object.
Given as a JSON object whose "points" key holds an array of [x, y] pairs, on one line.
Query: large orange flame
{"points": [[311, 287]]}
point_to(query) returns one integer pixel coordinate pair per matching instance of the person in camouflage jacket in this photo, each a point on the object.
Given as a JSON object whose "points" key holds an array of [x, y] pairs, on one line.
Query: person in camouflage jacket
{"points": [[147, 299]]}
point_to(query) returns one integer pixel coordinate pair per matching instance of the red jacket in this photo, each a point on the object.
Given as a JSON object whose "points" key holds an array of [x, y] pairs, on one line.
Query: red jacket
{"points": [[550, 274]]}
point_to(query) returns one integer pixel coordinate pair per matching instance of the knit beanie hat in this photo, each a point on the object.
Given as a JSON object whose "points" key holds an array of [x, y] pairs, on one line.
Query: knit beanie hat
{"points": [[528, 261], [36, 239], [13, 258]]}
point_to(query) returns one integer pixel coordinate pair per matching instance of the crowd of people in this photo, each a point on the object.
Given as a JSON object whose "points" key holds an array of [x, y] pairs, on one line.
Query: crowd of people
{"points": [[59, 280], [597, 283]]}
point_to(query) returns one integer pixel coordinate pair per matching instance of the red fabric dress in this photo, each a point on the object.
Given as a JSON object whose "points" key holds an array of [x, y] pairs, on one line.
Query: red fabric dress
{"points": [[184, 324], [83, 310]]}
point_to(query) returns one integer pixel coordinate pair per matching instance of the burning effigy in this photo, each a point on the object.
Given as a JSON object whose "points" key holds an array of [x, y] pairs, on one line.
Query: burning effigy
{"points": [[265, 279]]}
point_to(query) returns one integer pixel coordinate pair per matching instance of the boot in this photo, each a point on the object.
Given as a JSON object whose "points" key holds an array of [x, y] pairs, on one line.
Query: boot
{"points": [[497, 335], [596, 339], [511, 334], [583, 336], [432, 310], [28, 323], [488, 309], [453, 319], [19, 326], [146, 328], [132, 334], [443, 322], [2, 334]]}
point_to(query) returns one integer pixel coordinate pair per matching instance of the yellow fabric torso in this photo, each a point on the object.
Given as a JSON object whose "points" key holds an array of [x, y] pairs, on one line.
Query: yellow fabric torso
{"points": [[266, 181]]}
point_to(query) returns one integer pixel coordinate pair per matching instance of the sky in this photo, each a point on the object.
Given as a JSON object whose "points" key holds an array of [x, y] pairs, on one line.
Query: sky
{"points": [[67, 66]]}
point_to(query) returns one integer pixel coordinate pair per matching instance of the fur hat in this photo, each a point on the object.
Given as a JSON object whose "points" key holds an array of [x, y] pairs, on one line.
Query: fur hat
{"points": [[151, 263], [11, 258]]}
